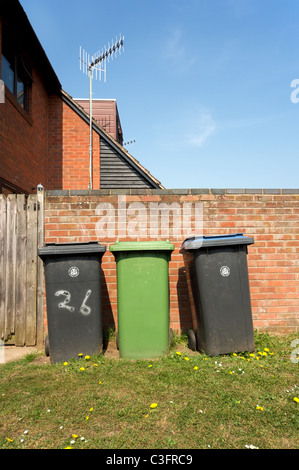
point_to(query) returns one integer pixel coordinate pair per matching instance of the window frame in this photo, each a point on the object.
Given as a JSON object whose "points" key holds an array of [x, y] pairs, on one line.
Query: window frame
{"points": [[20, 71]]}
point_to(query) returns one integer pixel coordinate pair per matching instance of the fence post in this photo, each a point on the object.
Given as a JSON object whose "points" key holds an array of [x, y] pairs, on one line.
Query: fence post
{"points": [[31, 261], [40, 269], [20, 288]]}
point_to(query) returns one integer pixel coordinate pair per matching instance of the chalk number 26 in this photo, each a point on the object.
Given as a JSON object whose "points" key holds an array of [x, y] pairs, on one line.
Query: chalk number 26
{"points": [[84, 309]]}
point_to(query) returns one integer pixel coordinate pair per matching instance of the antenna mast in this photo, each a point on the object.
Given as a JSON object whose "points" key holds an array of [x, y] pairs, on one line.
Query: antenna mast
{"points": [[97, 63]]}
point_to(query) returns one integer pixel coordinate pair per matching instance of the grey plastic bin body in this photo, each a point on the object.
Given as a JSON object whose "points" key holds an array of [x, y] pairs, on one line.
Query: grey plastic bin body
{"points": [[73, 293], [217, 278]]}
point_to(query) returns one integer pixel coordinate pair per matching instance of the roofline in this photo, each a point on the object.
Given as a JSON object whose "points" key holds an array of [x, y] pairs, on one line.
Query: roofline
{"points": [[14, 10], [97, 128]]}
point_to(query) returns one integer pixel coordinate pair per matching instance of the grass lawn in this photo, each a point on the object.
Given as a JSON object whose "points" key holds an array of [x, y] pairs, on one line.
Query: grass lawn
{"points": [[200, 402]]}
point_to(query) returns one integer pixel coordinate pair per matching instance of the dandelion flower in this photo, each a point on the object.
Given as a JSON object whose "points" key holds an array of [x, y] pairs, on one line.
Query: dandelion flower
{"points": [[74, 436], [186, 358], [146, 416], [65, 363], [91, 409], [266, 349], [153, 405], [259, 408], [234, 354], [68, 447], [80, 355], [82, 368], [179, 353], [296, 399], [100, 383], [87, 418], [252, 355], [87, 358], [195, 368], [150, 365], [96, 365], [9, 440]]}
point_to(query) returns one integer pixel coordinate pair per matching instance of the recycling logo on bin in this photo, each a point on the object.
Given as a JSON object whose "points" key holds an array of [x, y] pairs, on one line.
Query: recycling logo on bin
{"points": [[73, 271], [224, 271]]}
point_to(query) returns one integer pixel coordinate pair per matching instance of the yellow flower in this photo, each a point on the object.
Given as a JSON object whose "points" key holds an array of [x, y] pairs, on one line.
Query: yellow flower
{"points": [[74, 436], [65, 363], [179, 353], [195, 368], [252, 355], [87, 418], [146, 416], [80, 354], [234, 354], [91, 409], [100, 383], [96, 365], [296, 399], [69, 447], [82, 368], [259, 408], [186, 358], [150, 365], [11, 440], [87, 358], [153, 405]]}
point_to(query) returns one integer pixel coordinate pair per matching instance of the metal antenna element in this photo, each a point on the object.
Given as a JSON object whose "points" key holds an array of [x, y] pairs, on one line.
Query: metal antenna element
{"points": [[130, 142], [97, 63]]}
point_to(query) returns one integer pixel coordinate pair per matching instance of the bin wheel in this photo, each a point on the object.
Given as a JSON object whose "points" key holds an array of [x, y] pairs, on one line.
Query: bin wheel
{"points": [[117, 344], [191, 340], [47, 346]]}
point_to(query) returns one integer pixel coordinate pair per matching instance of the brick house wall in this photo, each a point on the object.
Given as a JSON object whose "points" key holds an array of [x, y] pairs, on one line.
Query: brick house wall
{"points": [[269, 216], [68, 148], [24, 130]]}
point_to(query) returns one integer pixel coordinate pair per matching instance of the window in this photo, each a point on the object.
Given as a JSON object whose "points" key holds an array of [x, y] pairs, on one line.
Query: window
{"points": [[16, 76]]}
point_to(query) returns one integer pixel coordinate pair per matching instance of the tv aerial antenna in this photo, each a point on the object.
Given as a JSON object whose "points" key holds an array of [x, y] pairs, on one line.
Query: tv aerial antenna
{"points": [[95, 65], [130, 142]]}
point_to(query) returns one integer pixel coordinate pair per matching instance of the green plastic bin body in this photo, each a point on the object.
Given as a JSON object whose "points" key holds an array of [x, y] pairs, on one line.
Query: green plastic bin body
{"points": [[142, 298]]}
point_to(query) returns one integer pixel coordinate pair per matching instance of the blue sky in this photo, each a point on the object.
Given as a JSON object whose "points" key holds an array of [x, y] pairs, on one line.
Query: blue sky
{"points": [[203, 86]]}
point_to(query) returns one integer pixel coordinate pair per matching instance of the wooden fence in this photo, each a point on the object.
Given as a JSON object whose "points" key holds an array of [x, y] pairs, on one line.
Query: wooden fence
{"points": [[21, 270]]}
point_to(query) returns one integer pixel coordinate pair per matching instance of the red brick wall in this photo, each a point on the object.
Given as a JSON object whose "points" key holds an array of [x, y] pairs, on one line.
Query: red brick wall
{"points": [[23, 139], [270, 216], [68, 149]]}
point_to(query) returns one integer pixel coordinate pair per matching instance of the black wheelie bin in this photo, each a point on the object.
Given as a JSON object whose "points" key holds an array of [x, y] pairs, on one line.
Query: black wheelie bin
{"points": [[73, 294], [218, 285]]}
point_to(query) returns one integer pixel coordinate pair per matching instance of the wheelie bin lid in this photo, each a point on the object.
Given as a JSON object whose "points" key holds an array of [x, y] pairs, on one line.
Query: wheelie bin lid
{"points": [[70, 248], [194, 243], [142, 246]]}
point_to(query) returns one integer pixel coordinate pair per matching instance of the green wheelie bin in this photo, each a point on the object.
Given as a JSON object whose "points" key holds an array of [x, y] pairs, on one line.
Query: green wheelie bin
{"points": [[142, 297]]}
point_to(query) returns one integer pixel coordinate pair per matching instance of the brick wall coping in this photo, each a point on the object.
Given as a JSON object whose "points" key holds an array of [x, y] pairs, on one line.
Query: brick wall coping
{"points": [[184, 191]]}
